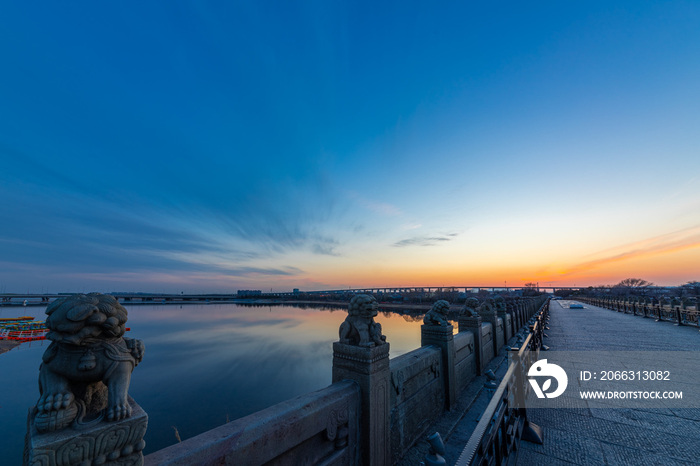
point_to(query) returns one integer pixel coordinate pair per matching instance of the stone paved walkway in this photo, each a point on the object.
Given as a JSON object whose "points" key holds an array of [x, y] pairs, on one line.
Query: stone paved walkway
{"points": [[614, 435]]}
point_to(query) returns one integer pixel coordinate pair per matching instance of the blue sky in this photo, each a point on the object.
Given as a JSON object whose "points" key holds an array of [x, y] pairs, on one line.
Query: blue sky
{"points": [[212, 146]]}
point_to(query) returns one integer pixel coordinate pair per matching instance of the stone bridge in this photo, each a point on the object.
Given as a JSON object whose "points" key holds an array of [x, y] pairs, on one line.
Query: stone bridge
{"points": [[469, 387]]}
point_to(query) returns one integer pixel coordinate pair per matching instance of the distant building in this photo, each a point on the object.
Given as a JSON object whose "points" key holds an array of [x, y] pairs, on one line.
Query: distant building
{"points": [[245, 293], [296, 291]]}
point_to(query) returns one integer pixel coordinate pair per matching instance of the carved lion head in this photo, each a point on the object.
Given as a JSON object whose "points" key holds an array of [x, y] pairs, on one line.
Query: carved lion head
{"points": [[441, 307], [363, 305], [471, 303], [80, 318]]}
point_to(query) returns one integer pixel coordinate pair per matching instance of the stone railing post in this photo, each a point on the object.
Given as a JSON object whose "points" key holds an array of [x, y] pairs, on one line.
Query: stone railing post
{"points": [[501, 313], [516, 316], [470, 321], [513, 324], [679, 321], [488, 312], [443, 338], [438, 332], [472, 324], [362, 355]]}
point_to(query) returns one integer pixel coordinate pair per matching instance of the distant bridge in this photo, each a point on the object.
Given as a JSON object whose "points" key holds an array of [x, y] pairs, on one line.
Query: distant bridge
{"points": [[33, 299], [443, 289]]}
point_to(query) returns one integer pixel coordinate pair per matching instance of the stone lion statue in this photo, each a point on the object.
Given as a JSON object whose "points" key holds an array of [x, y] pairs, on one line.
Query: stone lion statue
{"points": [[86, 370], [487, 307], [359, 327], [500, 303], [437, 315], [469, 308]]}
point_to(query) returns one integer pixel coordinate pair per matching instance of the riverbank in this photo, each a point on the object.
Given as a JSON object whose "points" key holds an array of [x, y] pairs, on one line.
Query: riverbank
{"points": [[414, 306], [7, 345]]}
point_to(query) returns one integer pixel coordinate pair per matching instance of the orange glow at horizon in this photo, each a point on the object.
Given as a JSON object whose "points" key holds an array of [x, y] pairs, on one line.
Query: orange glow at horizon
{"points": [[669, 266]]}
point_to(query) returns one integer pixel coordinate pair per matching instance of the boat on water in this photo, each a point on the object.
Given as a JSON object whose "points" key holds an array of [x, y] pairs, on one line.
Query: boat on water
{"points": [[14, 319], [24, 335], [23, 330]]}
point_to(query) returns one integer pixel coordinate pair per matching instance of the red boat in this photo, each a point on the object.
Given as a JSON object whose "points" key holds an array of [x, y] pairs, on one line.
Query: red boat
{"points": [[23, 330]]}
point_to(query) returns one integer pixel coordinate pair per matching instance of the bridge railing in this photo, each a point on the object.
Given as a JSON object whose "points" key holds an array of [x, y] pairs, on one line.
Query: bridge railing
{"points": [[377, 408], [679, 313], [504, 423], [317, 428]]}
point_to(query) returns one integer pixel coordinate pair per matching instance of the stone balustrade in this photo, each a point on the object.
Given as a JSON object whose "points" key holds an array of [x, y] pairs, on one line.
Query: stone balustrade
{"points": [[377, 408], [680, 312]]}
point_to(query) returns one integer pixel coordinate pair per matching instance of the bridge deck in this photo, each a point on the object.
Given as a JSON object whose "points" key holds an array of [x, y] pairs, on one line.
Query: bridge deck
{"points": [[614, 435]]}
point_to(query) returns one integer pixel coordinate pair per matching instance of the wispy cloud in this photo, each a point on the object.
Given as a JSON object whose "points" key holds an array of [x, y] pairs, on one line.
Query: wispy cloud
{"points": [[58, 226], [324, 249], [183, 212], [679, 240], [243, 271], [324, 245], [425, 240], [381, 208]]}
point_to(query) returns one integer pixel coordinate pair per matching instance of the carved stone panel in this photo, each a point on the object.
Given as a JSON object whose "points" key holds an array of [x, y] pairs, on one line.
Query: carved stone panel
{"points": [[105, 443]]}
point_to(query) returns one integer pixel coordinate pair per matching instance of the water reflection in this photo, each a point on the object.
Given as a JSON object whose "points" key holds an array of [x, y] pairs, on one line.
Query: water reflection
{"points": [[205, 364]]}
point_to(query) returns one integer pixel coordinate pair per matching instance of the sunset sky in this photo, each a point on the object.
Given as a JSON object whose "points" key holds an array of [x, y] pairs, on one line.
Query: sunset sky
{"points": [[216, 146]]}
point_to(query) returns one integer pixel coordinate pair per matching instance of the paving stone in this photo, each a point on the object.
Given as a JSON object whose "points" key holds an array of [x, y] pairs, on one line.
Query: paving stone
{"points": [[621, 455], [611, 404], [567, 446], [651, 440], [532, 458], [687, 413], [650, 420], [605, 432]]}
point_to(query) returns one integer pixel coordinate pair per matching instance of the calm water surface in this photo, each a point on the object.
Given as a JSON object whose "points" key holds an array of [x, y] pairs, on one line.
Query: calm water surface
{"points": [[203, 364]]}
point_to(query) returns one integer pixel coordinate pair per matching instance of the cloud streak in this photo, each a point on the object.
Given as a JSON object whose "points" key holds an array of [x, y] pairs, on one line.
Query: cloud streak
{"points": [[680, 240], [381, 208], [425, 240]]}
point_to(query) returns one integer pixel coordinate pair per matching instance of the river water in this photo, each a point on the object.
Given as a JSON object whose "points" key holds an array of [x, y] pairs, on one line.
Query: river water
{"points": [[204, 364]]}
